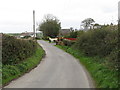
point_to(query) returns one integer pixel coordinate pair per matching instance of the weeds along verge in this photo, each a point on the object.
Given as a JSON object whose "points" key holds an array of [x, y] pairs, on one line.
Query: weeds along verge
{"points": [[97, 50], [103, 76]]}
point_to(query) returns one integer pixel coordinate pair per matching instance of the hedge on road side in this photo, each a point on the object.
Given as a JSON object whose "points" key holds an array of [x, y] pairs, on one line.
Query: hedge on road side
{"points": [[10, 72], [102, 43], [16, 50], [101, 74]]}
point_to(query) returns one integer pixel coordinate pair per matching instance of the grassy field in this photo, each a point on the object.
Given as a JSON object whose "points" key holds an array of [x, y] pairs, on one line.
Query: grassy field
{"points": [[103, 77], [11, 72]]}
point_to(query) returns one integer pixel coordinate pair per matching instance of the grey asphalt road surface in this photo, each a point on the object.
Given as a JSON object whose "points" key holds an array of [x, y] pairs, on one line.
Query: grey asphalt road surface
{"points": [[57, 70]]}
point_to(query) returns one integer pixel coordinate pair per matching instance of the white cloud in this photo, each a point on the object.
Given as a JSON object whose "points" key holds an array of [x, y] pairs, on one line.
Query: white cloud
{"points": [[16, 15]]}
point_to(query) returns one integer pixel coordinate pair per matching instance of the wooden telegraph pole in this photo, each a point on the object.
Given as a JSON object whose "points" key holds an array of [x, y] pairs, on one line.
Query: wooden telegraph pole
{"points": [[34, 23]]}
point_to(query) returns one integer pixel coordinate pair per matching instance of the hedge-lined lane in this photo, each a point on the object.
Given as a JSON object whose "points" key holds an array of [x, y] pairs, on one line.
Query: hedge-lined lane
{"points": [[57, 70], [103, 76]]}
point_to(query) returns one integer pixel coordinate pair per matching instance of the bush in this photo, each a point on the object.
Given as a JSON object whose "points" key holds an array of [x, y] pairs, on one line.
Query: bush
{"points": [[10, 72], [68, 42], [15, 50], [99, 42]]}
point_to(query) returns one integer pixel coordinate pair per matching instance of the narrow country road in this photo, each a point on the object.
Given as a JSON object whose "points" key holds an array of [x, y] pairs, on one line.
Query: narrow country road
{"points": [[57, 70]]}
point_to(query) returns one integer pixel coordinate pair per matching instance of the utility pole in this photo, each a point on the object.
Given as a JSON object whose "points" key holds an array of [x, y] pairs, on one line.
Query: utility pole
{"points": [[34, 23]]}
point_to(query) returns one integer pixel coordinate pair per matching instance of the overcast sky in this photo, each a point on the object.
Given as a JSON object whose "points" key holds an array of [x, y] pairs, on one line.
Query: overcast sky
{"points": [[16, 15]]}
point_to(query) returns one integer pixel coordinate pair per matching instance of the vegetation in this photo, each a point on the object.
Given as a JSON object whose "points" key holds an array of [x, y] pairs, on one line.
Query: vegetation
{"points": [[11, 72], [73, 34], [16, 50], [98, 50], [68, 42], [19, 56], [50, 26], [69, 39], [103, 76], [100, 42]]}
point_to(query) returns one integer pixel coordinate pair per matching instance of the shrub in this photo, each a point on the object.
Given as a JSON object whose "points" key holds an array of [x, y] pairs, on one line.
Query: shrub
{"points": [[99, 42], [10, 72], [15, 50], [68, 42]]}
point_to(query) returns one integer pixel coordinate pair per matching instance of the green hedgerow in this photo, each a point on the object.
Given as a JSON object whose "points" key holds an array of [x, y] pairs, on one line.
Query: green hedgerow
{"points": [[15, 50]]}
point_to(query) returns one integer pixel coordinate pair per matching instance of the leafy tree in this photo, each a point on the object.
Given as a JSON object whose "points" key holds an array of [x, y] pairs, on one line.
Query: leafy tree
{"points": [[50, 26], [87, 23], [71, 29]]}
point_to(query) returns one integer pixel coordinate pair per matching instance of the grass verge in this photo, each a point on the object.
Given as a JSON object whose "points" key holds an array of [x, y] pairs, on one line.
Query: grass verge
{"points": [[103, 76], [10, 72]]}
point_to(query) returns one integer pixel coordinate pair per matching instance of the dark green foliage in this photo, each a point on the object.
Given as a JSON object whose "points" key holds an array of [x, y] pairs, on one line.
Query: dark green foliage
{"points": [[50, 26], [80, 33], [18, 56], [10, 72], [15, 50], [100, 42]]}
